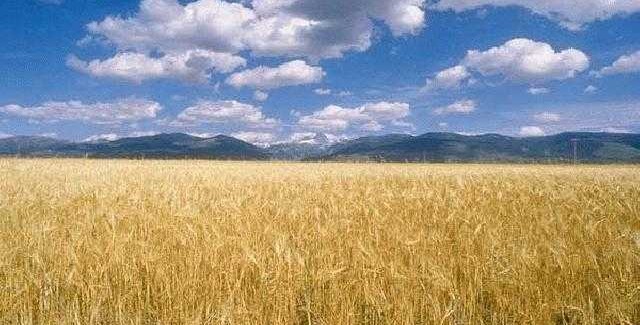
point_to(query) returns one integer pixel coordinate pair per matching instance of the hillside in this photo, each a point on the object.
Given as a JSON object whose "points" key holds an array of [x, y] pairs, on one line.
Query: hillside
{"points": [[30, 144], [429, 147], [440, 147], [174, 145]]}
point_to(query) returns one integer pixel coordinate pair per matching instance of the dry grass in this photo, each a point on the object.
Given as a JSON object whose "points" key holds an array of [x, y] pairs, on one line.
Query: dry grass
{"points": [[183, 242]]}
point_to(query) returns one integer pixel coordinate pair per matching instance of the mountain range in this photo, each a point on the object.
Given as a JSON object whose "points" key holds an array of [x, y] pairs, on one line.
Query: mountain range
{"points": [[174, 145], [429, 147]]}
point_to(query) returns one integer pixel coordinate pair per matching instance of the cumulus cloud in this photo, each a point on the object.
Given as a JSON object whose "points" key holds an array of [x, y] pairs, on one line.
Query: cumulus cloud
{"points": [[48, 135], [293, 73], [538, 91], [142, 134], [102, 137], [227, 111], [327, 92], [452, 78], [322, 91], [168, 26], [547, 117], [519, 60], [572, 14], [204, 135], [624, 64], [591, 89], [582, 116], [527, 61], [368, 117], [191, 66], [260, 96], [292, 28], [460, 107], [531, 131], [118, 112], [191, 41], [616, 130], [114, 136], [262, 139]]}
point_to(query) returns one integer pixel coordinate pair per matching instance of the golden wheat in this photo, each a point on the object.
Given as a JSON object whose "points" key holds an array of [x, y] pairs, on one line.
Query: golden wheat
{"points": [[195, 242]]}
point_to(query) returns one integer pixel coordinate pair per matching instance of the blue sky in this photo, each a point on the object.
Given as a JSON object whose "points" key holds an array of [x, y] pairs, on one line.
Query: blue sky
{"points": [[276, 70]]}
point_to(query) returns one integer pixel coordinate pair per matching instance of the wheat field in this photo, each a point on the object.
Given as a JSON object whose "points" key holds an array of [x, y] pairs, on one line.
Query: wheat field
{"points": [[198, 242]]}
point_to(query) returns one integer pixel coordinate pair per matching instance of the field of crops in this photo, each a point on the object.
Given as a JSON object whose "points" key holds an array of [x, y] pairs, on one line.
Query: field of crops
{"points": [[197, 242]]}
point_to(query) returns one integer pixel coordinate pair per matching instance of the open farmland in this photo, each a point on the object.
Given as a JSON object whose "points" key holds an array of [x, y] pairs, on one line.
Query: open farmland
{"points": [[198, 242]]}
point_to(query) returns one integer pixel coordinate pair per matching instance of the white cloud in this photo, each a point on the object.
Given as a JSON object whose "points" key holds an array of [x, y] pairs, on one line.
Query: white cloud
{"points": [[572, 14], [385, 111], [403, 124], [372, 126], [293, 73], [547, 117], [527, 61], [443, 125], [53, 135], [5, 135], [519, 60], [624, 64], [292, 28], [228, 111], [302, 137], [460, 107], [469, 134], [137, 134], [191, 66], [204, 135], [102, 137], [322, 91], [167, 26], [531, 131], [126, 110], [591, 89], [584, 117], [616, 130], [538, 91], [368, 117], [327, 92], [260, 96], [114, 136], [452, 78], [262, 139], [332, 118]]}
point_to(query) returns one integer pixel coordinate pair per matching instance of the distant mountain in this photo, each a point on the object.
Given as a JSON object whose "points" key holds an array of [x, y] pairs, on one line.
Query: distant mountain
{"points": [[176, 145], [442, 147], [304, 148], [430, 147], [368, 145], [26, 145], [320, 139]]}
